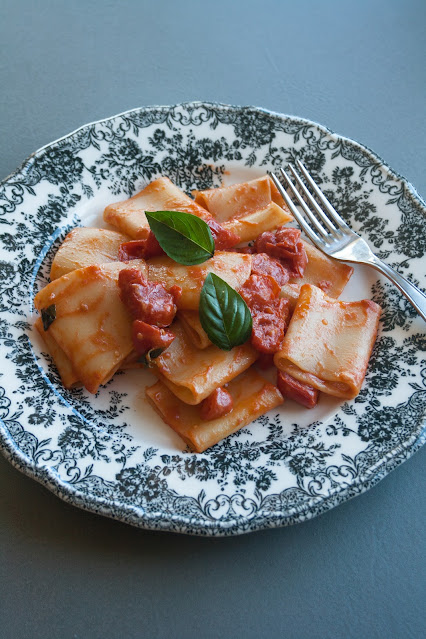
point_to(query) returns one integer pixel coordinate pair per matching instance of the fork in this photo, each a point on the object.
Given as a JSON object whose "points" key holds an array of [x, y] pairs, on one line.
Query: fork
{"points": [[330, 233]]}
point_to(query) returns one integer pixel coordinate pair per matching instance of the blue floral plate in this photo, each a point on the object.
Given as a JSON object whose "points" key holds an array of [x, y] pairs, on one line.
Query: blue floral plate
{"points": [[110, 453]]}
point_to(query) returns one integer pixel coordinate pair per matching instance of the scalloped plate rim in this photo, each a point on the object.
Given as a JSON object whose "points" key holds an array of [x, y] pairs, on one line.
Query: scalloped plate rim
{"points": [[262, 521], [201, 103]]}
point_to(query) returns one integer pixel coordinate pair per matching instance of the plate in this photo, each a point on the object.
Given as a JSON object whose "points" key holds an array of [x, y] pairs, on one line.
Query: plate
{"points": [[110, 453]]}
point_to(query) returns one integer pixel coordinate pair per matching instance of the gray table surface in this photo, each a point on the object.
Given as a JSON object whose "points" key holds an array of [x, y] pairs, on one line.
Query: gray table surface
{"points": [[356, 67]]}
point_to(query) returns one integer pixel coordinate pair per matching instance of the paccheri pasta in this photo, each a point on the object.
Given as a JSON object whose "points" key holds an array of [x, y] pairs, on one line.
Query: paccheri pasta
{"points": [[204, 323]]}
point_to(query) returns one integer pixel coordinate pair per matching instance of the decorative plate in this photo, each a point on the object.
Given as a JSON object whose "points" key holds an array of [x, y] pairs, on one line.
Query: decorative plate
{"points": [[110, 453]]}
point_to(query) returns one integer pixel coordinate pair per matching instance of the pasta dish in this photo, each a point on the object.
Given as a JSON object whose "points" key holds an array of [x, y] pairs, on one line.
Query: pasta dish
{"points": [[208, 292]]}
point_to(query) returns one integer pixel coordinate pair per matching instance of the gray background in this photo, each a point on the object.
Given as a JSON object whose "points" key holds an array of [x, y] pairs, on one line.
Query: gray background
{"points": [[357, 67]]}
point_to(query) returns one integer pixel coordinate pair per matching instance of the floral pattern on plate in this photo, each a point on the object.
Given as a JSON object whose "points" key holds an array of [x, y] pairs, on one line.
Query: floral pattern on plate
{"points": [[112, 455]]}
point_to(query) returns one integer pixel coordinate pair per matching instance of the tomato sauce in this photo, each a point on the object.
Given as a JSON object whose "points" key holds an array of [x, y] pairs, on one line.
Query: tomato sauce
{"points": [[284, 244], [263, 264], [147, 337], [259, 289], [140, 249], [298, 391], [147, 301], [223, 238], [216, 405], [269, 326], [269, 313]]}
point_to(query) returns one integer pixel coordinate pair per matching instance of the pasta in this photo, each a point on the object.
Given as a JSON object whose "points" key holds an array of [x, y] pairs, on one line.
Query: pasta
{"points": [[192, 374], [198, 434], [321, 271], [160, 195], [191, 322], [92, 326], [247, 209], [107, 309], [63, 363], [230, 202], [85, 247], [329, 342], [234, 268]]}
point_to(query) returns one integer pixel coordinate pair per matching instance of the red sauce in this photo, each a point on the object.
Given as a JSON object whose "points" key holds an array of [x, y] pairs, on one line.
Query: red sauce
{"points": [[176, 292], [145, 300], [223, 238], [265, 360], [259, 289], [197, 274], [140, 249], [269, 326], [284, 244], [249, 249], [269, 313], [146, 337], [263, 264], [216, 405], [298, 391]]}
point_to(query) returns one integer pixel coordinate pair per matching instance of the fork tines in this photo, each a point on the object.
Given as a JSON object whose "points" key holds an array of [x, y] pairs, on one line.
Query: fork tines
{"points": [[321, 229]]}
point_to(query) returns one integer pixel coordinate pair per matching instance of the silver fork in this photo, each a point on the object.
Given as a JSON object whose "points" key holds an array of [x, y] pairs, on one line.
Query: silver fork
{"points": [[330, 233]]}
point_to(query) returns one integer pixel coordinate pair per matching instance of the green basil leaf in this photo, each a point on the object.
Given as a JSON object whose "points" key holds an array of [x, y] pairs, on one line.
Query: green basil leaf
{"points": [[155, 352], [48, 315], [224, 315], [147, 358], [185, 238]]}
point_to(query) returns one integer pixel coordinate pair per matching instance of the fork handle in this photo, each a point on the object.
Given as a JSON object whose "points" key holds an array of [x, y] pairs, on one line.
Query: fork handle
{"points": [[411, 292]]}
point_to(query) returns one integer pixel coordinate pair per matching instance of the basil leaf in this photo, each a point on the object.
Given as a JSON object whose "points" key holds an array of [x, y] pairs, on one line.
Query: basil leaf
{"points": [[155, 352], [224, 315], [185, 238], [147, 358], [48, 315]]}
